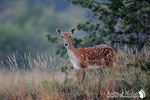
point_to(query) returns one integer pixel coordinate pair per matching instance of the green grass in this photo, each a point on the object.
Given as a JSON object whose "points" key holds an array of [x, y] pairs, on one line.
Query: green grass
{"points": [[46, 78]]}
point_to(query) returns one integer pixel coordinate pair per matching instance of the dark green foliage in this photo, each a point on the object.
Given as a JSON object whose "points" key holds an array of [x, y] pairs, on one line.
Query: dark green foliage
{"points": [[114, 22], [144, 64]]}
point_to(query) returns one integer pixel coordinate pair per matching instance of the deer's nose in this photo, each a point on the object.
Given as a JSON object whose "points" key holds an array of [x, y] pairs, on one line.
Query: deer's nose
{"points": [[66, 44]]}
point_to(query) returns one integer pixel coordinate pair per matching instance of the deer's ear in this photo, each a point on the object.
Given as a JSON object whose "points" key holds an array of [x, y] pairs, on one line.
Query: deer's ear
{"points": [[58, 31], [73, 30]]}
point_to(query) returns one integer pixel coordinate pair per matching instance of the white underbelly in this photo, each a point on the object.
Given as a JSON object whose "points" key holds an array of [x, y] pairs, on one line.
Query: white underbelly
{"points": [[94, 67]]}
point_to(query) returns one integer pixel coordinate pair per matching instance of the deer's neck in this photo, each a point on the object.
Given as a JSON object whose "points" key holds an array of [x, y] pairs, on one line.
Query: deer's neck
{"points": [[72, 52], [71, 48], [73, 55]]}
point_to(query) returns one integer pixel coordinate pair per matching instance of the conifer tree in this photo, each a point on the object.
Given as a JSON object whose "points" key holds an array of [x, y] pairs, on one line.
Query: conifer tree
{"points": [[115, 22]]}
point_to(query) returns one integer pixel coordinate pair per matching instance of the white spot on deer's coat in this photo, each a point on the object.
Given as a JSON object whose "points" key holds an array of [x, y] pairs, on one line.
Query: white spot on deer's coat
{"points": [[73, 59]]}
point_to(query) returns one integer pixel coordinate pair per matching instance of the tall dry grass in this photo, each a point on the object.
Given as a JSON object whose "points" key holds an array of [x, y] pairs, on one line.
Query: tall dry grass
{"points": [[48, 78]]}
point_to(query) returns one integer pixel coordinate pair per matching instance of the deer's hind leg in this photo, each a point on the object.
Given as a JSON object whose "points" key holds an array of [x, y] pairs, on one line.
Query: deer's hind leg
{"points": [[83, 75], [110, 64]]}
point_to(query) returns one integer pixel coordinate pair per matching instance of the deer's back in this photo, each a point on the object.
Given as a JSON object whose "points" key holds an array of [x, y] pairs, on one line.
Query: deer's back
{"points": [[96, 56]]}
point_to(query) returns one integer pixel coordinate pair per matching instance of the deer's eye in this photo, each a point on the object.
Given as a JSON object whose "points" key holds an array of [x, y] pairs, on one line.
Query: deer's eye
{"points": [[69, 36], [61, 36]]}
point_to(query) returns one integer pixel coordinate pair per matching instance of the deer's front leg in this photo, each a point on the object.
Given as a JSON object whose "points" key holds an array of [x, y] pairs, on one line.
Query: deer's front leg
{"points": [[78, 75], [83, 75]]}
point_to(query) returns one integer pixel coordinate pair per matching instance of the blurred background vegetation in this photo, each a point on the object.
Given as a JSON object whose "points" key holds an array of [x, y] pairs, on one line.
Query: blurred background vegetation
{"points": [[24, 24]]}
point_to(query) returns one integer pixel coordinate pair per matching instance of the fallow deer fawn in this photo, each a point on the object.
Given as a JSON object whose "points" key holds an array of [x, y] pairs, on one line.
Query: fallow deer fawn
{"points": [[87, 58]]}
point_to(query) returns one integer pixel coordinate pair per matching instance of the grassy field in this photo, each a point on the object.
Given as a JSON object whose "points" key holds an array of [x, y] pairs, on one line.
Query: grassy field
{"points": [[45, 78]]}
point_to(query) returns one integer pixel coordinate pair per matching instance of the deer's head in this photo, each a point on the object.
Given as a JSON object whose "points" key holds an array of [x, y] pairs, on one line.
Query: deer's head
{"points": [[65, 36]]}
